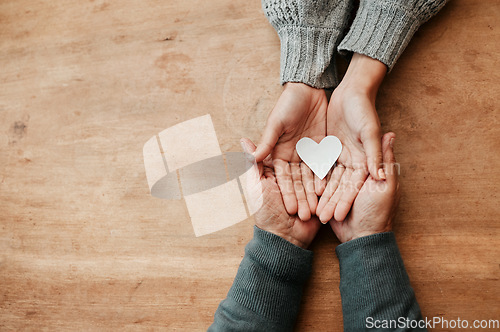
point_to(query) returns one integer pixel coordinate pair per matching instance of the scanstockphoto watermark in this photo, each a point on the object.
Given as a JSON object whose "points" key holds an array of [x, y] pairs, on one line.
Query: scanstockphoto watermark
{"points": [[431, 323]]}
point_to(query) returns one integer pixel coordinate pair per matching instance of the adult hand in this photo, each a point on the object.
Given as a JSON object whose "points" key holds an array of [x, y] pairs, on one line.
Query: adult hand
{"points": [[374, 207], [299, 112], [263, 195], [352, 117]]}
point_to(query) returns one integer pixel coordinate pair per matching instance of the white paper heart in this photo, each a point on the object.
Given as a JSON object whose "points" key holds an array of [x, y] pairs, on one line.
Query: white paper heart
{"points": [[319, 157]]}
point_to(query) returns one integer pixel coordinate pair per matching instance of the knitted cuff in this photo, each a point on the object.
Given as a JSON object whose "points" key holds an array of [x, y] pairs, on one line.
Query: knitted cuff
{"points": [[374, 282], [307, 55], [370, 253], [282, 259], [381, 30]]}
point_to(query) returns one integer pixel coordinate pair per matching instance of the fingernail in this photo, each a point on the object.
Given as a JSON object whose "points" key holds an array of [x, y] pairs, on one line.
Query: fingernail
{"points": [[381, 174], [391, 142]]}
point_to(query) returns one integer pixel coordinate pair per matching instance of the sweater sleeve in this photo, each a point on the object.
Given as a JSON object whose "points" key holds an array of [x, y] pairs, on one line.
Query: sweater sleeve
{"points": [[383, 28], [375, 287], [310, 32], [267, 289]]}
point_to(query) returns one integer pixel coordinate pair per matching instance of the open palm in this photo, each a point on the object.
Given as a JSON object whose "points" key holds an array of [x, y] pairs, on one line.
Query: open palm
{"points": [[354, 120], [299, 112]]}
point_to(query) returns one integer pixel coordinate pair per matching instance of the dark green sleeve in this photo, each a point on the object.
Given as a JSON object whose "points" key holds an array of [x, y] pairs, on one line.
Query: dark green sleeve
{"points": [[374, 286], [267, 289]]}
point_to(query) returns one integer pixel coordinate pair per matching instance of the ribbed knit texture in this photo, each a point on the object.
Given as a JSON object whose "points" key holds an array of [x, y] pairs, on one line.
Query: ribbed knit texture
{"points": [[309, 32], [267, 290], [374, 282], [382, 29]]}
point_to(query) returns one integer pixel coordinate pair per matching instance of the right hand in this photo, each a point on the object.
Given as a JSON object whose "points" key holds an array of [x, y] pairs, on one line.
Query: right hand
{"points": [[375, 205], [299, 112], [264, 199]]}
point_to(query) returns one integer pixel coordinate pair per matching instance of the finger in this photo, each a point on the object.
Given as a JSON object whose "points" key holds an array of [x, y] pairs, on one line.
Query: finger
{"points": [[330, 188], [303, 209], [251, 181], [285, 183], [373, 149], [328, 176], [268, 162], [319, 185], [249, 147], [349, 193], [329, 202], [272, 132], [390, 168], [308, 183]]}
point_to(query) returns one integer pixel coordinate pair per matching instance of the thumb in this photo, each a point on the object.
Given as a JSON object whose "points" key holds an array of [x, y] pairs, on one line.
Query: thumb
{"points": [[271, 134], [373, 148], [257, 167], [252, 184], [247, 145]]}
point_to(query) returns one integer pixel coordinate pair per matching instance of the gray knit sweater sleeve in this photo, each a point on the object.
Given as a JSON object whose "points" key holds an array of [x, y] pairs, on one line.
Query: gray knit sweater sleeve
{"points": [[383, 28], [375, 287], [267, 289], [310, 32]]}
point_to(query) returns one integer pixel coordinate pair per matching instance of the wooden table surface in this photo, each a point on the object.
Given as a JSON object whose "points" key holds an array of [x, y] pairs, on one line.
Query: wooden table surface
{"points": [[83, 244]]}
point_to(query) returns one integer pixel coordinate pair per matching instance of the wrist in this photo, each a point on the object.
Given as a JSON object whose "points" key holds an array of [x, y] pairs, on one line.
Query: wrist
{"points": [[298, 86], [364, 75], [365, 234], [286, 237], [292, 240], [368, 232]]}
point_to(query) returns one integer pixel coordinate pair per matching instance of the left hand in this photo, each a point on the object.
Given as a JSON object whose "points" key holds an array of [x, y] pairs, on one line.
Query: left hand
{"points": [[299, 112], [375, 205], [263, 195]]}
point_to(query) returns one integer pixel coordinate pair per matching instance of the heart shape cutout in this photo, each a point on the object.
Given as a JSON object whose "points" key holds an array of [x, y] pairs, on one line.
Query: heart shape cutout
{"points": [[319, 157]]}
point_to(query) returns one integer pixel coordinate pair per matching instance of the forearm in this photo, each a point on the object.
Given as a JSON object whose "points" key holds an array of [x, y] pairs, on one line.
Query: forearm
{"points": [[382, 29], [267, 289], [374, 284]]}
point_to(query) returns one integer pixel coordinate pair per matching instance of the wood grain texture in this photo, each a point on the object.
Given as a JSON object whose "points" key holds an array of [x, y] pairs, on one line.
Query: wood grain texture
{"points": [[84, 246]]}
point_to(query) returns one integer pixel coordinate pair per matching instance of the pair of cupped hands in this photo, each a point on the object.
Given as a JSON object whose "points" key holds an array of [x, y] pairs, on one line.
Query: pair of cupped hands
{"points": [[359, 194]]}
